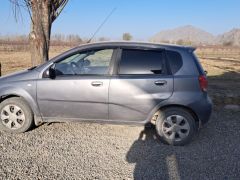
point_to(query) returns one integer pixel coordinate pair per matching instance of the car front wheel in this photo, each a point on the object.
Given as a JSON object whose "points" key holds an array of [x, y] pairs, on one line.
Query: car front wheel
{"points": [[15, 115], [175, 126]]}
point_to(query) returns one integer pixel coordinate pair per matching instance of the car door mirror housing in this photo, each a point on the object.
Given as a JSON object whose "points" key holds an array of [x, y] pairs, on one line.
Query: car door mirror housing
{"points": [[52, 71]]}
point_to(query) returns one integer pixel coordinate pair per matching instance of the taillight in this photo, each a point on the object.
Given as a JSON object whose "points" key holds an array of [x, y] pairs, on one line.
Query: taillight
{"points": [[203, 82]]}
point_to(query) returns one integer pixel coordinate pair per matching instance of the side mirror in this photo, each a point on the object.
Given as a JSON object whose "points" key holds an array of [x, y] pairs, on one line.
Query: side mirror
{"points": [[52, 71]]}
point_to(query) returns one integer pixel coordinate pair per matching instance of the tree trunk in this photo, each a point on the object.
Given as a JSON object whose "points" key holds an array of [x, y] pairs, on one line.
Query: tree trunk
{"points": [[40, 31]]}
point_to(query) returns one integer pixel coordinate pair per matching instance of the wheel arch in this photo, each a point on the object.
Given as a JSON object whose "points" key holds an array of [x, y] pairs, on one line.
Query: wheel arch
{"points": [[191, 111], [7, 93]]}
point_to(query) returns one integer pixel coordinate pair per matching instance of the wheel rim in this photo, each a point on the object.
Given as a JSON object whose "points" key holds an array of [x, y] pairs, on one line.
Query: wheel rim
{"points": [[175, 127], [12, 116]]}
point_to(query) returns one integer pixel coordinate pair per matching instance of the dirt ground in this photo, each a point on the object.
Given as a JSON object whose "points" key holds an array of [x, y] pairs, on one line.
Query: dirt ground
{"points": [[94, 151]]}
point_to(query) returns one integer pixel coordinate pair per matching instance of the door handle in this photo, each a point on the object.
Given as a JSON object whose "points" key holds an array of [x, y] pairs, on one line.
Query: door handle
{"points": [[97, 83], [160, 82]]}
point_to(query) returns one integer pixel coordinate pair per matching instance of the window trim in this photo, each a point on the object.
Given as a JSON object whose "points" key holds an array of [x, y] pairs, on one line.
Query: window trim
{"points": [[110, 68]]}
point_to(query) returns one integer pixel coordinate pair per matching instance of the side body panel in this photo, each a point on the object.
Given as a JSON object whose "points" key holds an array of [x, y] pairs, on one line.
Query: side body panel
{"points": [[133, 98], [21, 84], [187, 93], [25, 89], [73, 98]]}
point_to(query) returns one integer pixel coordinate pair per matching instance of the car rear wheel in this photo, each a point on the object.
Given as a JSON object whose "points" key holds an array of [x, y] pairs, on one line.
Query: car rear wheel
{"points": [[175, 126], [15, 115]]}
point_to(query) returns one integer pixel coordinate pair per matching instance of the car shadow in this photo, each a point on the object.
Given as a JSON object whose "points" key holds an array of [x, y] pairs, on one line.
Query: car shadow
{"points": [[213, 153], [153, 160], [225, 89]]}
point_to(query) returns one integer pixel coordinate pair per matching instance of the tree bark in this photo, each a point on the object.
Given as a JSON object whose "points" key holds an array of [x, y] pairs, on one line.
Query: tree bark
{"points": [[42, 13], [40, 31]]}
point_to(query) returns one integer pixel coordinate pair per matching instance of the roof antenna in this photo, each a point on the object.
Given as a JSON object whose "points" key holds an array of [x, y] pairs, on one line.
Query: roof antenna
{"points": [[101, 25]]}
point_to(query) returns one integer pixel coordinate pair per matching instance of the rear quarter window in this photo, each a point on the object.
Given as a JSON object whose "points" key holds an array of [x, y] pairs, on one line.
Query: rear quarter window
{"points": [[175, 60]]}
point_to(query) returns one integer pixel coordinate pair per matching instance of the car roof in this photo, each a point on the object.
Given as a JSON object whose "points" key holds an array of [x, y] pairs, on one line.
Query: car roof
{"points": [[116, 44], [129, 44]]}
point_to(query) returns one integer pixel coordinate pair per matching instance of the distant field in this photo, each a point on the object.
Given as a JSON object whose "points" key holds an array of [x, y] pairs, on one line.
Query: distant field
{"points": [[223, 67], [221, 63], [18, 60]]}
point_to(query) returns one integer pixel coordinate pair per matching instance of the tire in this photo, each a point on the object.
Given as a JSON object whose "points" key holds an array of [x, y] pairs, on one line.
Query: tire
{"points": [[175, 126], [15, 115]]}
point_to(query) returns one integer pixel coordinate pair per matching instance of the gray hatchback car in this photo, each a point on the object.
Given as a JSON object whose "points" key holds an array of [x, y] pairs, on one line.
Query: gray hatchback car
{"points": [[115, 82]]}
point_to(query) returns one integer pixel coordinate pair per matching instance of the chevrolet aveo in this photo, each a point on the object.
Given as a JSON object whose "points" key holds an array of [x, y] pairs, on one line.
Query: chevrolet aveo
{"points": [[115, 82]]}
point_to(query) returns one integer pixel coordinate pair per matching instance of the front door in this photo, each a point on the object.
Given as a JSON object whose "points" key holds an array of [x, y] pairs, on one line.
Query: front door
{"points": [[80, 89]]}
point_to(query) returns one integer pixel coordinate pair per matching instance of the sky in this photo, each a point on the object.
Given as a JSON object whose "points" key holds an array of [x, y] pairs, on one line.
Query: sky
{"points": [[141, 18]]}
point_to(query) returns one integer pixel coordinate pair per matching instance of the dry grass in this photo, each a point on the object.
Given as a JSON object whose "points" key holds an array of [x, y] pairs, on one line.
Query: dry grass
{"points": [[222, 64], [15, 61], [217, 62], [223, 67]]}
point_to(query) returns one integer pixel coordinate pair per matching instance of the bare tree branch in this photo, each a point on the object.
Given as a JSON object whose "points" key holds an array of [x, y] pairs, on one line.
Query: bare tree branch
{"points": [[16, 8], [58, 7]]}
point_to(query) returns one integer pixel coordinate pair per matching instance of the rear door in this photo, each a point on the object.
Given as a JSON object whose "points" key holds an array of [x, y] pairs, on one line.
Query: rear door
{"points": [[141, 82]]}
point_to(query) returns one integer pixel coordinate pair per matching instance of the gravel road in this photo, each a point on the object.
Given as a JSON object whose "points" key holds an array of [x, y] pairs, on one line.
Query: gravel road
{"points": [[93, 151]]}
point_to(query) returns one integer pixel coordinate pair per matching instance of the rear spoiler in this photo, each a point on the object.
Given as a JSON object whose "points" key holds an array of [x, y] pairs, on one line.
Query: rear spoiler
{"points": [[191, 49]]}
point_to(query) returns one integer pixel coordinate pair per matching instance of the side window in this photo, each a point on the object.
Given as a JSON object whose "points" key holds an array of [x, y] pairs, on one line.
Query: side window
{"points": [[141, 62], [175, 61], [94, 62]]}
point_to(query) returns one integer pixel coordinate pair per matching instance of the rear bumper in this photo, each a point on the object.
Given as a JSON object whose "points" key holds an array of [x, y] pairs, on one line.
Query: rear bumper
{"points": [[203, 109]]}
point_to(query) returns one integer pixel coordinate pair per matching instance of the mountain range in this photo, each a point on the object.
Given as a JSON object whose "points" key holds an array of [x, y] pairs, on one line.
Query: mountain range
{"points": [[196, 36]]}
